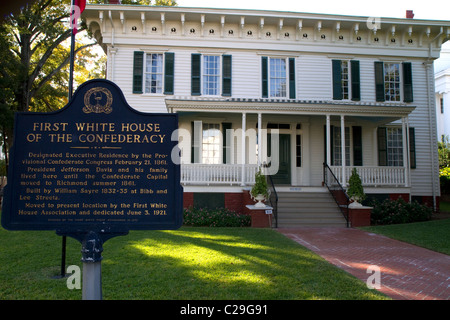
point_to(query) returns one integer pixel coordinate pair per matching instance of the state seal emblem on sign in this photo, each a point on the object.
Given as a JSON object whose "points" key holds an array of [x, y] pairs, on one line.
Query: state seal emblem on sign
{"points": [[98, 100]]}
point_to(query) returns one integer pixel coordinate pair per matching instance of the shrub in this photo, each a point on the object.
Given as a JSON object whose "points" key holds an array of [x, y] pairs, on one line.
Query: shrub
{"points": [[399, 211], [220, 217], [444, 178], [355, 188]]}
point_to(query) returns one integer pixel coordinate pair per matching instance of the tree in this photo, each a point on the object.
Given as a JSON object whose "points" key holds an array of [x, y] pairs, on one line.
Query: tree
{"points": [[34, 36], [444, 152]]}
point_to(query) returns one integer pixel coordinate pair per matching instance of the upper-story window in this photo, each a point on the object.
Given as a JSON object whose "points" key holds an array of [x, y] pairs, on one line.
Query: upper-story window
{"points": [[393, 81], [153, 73], [211, 75], [278, 78], [346, 80], [154, 70]]}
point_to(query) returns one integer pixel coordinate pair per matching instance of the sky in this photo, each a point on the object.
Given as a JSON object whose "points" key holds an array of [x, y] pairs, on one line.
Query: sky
{"points": [[423, 9]]}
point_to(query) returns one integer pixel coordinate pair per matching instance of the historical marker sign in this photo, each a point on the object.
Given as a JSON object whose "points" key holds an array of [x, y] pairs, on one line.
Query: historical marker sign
{"points": [[96, 165]]}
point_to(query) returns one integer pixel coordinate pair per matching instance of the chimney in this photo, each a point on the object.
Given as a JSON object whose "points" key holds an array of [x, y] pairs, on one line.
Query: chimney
{"points": [[115, 1], [409, 14]]}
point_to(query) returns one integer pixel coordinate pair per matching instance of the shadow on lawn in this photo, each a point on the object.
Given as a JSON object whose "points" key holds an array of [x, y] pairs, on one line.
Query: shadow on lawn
{"points": [[221, 263]]}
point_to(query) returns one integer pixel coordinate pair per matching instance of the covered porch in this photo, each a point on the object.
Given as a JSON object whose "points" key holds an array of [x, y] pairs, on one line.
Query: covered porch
{"points": [[224, 142]]}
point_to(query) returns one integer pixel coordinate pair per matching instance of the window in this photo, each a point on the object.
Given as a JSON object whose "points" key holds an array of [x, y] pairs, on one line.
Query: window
{"points": [[278, 78], [211, 143], [345, 77], [394, 147], [390, 147], [442, 105], [153, 73], [392, 82], [337, 149], [346, 80], [210, 75], [298, 150]]}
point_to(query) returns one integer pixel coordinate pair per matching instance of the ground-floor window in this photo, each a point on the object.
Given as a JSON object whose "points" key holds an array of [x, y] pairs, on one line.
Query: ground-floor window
{"points": [[394, 141], [211, 144], [337, 148]]}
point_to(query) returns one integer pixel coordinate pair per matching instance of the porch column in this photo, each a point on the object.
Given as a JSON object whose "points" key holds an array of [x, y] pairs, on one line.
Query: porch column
{"points": [[344, 178], [328, 160], [405, 140], [259, 139], [244, 122]]}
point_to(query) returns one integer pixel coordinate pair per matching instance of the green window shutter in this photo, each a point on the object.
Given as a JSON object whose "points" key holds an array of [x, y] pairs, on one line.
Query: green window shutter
{"points": [[196, 74], [412, 147], [226, 75], [379, 81], [169, 72], [265, 77], [138, 70], [226, 134], [196, 140], [357, 146], [337, 79], [356, 86], [382, 146], [407, 82], [292, 92]]}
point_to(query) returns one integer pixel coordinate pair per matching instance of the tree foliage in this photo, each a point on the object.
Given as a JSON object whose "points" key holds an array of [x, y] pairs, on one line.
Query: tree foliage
{"points": [[34, 58], [444, 152]]}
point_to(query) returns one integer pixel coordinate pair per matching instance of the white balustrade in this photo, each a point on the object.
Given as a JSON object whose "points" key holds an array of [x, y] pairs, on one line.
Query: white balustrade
{"points": [[206, 174], [374, 176]]}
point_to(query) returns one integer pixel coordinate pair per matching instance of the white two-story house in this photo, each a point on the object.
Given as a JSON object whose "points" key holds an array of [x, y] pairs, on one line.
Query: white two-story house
{"points": [[297, 93]]}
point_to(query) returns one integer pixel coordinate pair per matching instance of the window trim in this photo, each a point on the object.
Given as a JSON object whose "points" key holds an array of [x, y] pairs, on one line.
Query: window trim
{"points": [[400, 80], [218, 77], [290, 77], [145, 73]]}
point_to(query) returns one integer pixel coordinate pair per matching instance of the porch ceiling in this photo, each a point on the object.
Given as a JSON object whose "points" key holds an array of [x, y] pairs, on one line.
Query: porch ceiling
{"points": [[377, 112]]}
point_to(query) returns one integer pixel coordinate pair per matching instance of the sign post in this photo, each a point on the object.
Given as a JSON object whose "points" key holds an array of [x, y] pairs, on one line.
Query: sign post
{"points": [[94, 170]]}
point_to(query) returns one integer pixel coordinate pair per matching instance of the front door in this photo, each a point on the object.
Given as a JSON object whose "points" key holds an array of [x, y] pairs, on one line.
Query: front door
{"points": [[283, 176]]}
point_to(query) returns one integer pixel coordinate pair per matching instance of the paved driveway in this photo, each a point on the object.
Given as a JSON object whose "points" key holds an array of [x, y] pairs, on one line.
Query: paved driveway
{"points": [[406, 272]]}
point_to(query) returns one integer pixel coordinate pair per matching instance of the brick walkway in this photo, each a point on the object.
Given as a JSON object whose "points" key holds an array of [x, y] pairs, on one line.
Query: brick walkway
{"points": [[407, 272]]}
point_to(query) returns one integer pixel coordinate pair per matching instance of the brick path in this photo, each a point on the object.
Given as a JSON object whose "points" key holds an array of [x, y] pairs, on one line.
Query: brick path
{"points": [[407, 272]]}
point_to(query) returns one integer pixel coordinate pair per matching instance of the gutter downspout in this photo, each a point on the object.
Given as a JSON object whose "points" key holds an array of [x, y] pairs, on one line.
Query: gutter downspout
{"points": [[428, 66], [112, 50]]}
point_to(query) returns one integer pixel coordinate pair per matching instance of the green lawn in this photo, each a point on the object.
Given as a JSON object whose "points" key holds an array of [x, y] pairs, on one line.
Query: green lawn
{"points": [[187, 264], [433, 235]]}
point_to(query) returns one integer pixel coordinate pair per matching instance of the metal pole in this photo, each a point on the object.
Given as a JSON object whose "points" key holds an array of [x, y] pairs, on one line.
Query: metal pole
{"points": [[92, 248], [63, 257], [72, 58], [92, 281]]}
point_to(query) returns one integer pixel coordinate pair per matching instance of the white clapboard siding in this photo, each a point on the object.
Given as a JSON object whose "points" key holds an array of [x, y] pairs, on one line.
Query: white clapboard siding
{"points": [[313, 82]]}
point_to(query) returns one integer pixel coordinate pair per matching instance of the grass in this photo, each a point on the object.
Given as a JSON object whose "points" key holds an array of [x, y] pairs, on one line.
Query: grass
{"points": [[433, 235], [186, 264]]}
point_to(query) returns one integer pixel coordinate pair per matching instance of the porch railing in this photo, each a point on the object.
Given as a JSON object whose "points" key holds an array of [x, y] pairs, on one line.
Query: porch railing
{"points": [[336, 190], [374, 176], [206, 174]]}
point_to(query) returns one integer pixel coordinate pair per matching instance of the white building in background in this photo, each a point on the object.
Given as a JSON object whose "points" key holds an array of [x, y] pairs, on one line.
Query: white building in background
{"points": [[442, 87], [341, 90]]}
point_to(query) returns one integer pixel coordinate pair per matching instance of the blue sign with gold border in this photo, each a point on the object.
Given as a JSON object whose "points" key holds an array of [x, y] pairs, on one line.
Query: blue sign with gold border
{"points": [[97, 165]]}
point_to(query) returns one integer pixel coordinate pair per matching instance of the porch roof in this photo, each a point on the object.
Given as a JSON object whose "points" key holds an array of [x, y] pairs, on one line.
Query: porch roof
{"points": [[285, 106]]}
